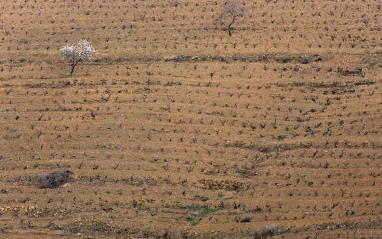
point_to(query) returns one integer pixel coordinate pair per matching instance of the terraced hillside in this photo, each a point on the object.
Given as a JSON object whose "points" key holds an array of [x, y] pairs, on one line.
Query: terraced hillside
{"points": [[177, 129]]}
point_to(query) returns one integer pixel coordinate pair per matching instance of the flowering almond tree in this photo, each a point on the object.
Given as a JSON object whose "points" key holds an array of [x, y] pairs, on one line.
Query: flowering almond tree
{"points": [[83, 51], [233, 9]]}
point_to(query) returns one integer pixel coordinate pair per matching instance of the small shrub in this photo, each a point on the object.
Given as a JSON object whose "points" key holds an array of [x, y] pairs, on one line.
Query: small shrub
{"points": [[268, 231], [55, 179], [192, 220], [181, 58], [95, 228], [246, 219]]}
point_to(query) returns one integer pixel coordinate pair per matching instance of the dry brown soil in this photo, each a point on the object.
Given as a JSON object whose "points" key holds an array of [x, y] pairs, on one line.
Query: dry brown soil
{"points": [[177, 130]]}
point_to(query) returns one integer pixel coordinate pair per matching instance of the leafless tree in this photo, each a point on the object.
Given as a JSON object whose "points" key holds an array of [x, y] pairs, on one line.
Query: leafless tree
{"points": [[233, 9], [83, 51]]}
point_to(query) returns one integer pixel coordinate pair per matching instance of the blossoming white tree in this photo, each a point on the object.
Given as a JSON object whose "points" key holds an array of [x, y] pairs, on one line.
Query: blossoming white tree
{"points": [[83, 51]]}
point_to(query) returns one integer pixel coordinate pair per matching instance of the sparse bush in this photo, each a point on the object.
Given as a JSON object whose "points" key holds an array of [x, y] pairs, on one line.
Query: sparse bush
{"points": [[92, 228], [74, 54], [180, 58], [55, 179], [246, 219], [268, 231]]}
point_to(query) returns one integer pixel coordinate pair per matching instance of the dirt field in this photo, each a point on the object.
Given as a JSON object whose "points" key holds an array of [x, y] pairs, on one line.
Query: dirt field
{"points": [[177, 130]]}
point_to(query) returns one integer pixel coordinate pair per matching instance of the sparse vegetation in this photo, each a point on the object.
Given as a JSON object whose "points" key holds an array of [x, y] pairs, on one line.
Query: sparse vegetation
{"points": [[268, 231], [55, 179], [175, 130]]}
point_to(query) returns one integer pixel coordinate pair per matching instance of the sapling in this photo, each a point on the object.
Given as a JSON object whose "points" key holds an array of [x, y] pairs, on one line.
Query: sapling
{"points": [[83, 51], [234, 9]]}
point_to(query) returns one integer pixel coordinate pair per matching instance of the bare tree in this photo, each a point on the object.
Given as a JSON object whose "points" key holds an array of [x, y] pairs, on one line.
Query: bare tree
{"points": [[233, 9], [83, 51]]}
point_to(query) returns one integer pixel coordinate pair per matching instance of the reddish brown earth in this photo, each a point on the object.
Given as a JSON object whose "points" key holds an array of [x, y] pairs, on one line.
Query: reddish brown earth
{"points": [[177, 130]]}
